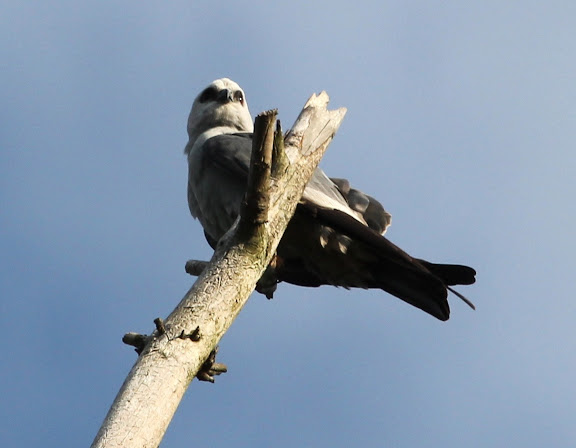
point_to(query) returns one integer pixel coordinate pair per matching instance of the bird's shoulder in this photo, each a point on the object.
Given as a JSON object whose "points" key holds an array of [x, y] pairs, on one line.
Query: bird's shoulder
{"points": [[227, 152]]}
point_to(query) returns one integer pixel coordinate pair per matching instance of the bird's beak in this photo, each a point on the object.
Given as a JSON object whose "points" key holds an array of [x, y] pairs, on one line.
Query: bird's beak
{"points": [[225, 96]]}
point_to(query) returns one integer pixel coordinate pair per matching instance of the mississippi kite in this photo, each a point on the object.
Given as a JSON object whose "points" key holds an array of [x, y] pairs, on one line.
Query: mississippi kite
{"points": [[336, 234]]}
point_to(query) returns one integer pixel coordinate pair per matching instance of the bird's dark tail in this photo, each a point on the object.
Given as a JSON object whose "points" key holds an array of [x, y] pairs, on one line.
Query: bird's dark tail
{"points": [[451, 274]]}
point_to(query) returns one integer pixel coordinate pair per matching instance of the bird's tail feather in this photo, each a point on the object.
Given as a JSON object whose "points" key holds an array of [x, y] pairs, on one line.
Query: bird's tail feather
{"points": [[451, 274]]}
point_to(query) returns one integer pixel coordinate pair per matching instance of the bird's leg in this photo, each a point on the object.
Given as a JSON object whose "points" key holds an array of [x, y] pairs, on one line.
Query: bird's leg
{"points": [[269, 281]]}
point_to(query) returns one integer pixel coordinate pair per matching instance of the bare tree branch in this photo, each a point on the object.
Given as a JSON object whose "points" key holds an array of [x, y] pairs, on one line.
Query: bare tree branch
{"points": [[195, 267], [154, 387], [254, 212]]}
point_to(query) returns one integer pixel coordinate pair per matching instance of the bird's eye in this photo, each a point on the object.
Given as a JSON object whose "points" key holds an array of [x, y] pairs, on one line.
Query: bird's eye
{"points": [[239, 96], [208, 94]]}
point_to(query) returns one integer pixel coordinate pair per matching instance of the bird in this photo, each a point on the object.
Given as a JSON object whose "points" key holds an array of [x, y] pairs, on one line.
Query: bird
{"points": [[336, 236]]}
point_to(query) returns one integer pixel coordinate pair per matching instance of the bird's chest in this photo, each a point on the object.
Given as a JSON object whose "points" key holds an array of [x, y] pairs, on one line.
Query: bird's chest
{"points": [[212, 197]]}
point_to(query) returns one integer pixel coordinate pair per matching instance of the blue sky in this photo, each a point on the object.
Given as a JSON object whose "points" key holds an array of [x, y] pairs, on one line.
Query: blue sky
{"points": [[461, 119]]}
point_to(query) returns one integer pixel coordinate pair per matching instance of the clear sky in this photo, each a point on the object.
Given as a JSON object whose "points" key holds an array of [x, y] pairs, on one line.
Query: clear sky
{"points": [[461, 120]]}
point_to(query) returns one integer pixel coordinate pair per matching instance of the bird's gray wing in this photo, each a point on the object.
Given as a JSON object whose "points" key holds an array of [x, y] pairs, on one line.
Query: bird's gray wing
{"points": [[218, 173], [324, 244]]}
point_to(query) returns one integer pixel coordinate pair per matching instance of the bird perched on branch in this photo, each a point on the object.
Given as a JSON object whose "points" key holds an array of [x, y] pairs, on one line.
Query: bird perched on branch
{"points": [[336, 234]]}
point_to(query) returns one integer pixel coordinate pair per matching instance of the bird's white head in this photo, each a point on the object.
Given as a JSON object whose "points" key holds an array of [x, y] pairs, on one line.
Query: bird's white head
{"points": [[220, 108]]}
